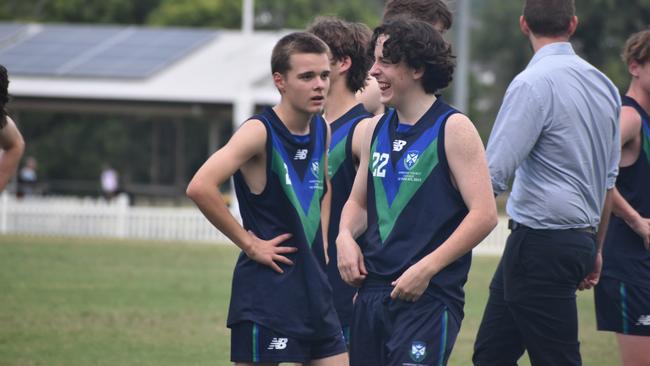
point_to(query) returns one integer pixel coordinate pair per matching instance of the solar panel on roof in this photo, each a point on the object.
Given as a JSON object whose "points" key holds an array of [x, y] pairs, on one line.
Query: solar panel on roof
{"points": [[100, 51], [10, 30]]}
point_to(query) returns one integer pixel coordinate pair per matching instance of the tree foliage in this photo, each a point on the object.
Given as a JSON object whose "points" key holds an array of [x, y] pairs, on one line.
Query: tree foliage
{"points": [[198, 13], [500, 48]]}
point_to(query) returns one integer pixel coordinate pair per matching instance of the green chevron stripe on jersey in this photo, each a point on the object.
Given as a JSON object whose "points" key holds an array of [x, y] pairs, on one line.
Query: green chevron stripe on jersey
{"points": [[387, 214], [311, 219], [336, 157]]}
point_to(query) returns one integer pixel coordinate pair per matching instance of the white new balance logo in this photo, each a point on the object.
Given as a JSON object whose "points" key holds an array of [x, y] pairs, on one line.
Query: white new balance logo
{"points": [[278, 343], [643, 320], [398, 145], [301, 154]]}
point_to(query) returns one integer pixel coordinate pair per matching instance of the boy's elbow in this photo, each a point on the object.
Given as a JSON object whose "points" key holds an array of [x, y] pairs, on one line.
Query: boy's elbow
{"points": [[194, 190], [492, 218]]}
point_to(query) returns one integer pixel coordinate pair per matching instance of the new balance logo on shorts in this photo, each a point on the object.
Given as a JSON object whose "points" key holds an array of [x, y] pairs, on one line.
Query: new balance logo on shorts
{"points": [[278, 343], [643, 320]]}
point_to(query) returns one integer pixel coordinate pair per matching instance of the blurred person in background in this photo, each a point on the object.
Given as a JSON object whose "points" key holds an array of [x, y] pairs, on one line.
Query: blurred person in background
{"points": [[350, 62], [110, 182], [623, 295], [11, 141], [28, 177]]}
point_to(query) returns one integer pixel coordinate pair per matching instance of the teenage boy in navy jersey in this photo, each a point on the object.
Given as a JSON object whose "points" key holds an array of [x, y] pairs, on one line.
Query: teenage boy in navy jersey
{"points": [[281, 307], [350, 63], [623, 293], [423, 193]]}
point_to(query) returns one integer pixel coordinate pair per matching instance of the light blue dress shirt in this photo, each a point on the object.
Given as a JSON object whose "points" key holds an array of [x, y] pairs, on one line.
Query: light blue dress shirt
{"points": [[557, 131]]}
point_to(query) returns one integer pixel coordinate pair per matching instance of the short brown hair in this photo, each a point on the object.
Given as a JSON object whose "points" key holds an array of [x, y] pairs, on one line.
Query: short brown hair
{"points": [[430, 11], [637, 48], [346, 40], [549, 18], [297, 42]]}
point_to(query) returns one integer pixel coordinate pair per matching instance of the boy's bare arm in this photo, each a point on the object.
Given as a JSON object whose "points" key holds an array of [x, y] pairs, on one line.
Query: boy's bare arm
{"points": [[354, 218], [245, 146], [468, 168]]}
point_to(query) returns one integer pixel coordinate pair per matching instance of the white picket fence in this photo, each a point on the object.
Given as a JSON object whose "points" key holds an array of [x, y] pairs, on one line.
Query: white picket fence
{"points": [[90, 217]]}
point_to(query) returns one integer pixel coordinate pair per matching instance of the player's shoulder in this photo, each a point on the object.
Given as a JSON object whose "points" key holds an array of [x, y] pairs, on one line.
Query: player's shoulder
{"points": [[459, 121], [461, 134], [363, 123], [252, 126], [630, 116], [371, 122], [250, 135]]}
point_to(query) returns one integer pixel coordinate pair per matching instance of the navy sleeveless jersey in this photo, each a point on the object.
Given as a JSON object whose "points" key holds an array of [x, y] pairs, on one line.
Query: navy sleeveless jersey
{"points": [[624, 256], [413, 206], [298, 302], [342, 170]]}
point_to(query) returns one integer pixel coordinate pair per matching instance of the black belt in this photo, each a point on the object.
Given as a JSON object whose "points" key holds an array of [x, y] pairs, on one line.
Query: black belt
{"points": [[514, 225]]}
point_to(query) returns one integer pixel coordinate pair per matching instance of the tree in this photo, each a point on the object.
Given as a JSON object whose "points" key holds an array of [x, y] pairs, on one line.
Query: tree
{"points": [[78, 11], [297, 14], [499, 48], [198, 13]]}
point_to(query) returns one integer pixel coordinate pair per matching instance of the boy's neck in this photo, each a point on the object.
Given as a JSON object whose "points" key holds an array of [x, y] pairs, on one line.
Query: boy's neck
{"points": [[415, 107], [297, 122], [339, 101]]}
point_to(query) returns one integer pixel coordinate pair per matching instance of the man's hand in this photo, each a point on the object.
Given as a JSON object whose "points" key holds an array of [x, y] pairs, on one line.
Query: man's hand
{"points": [[268, 252], [592, 279], [350, 261], [411, 284]]}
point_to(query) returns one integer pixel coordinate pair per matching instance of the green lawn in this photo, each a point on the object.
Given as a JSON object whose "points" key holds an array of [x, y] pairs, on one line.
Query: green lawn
{"points": [[99, 302]]}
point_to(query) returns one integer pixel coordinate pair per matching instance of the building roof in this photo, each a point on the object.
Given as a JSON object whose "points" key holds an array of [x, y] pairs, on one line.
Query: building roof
{"points": [[132, 63]]}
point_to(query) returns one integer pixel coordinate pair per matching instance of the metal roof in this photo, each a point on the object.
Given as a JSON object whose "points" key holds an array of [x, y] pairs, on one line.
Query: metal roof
{"points": [[138, 63]]}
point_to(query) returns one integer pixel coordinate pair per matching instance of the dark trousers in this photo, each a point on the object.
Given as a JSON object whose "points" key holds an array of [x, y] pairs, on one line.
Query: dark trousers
{"points": [[532, 303]]}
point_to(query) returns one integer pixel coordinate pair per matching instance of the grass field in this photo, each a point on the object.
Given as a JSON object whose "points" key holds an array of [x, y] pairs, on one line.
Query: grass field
{"points": [[79, 302]]}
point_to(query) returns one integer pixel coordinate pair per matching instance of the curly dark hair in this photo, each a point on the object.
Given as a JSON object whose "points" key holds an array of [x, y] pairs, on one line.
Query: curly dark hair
{"points": [[4, 95], [346, 40], [419, 45]]}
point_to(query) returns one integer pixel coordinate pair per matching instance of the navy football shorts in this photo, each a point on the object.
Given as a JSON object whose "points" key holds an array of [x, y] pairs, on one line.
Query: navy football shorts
{"points": [[251, 342], [622, 307], [391, 332]]}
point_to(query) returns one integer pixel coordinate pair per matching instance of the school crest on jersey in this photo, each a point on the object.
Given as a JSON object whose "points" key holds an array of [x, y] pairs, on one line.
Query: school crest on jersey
{"points": [[314, 168], [411, 158], [418, 351]]}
